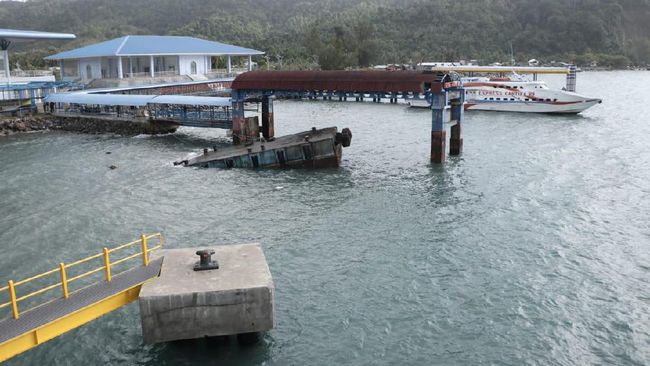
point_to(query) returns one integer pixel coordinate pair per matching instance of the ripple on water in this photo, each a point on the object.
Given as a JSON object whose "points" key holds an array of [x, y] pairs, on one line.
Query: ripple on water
{"points": [[530, 248]]}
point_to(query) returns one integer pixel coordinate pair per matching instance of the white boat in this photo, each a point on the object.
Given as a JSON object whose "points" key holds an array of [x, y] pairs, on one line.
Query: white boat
{"points": [[515, 94], [518, 95]]}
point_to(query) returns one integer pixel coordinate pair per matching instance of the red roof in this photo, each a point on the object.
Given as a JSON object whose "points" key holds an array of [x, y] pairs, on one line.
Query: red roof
{"points": [[340, 81]]}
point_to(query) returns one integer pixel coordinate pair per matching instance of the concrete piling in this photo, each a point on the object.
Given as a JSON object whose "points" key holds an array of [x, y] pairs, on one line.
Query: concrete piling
{"points": [[238, 121], [268, 130], [438, 133], [438, 146], [455, 140]]}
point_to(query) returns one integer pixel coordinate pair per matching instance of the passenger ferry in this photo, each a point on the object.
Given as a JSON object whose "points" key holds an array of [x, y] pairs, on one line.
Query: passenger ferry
{"points": [[508, 95], [517, 94]]}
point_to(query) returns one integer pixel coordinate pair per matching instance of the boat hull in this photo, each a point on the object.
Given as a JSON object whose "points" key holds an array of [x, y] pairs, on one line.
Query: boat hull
{"points": [[483, 94], [532, 107]]}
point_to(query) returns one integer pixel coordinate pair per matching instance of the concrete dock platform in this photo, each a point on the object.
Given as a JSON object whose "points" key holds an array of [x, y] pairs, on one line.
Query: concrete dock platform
{"points": [[182, 303]]}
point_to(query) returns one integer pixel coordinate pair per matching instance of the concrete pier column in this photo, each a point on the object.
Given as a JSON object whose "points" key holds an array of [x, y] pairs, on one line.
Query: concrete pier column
{"points": [[229, 64], [456, 139], [152, 65], [438, 139], [120, 75], [250, 63], [61, 69], [238, 120], [267, 118], [438, 133]]}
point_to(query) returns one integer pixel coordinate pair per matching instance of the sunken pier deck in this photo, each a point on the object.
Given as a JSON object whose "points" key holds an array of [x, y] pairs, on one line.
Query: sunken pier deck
{"points": [[317, 148]]}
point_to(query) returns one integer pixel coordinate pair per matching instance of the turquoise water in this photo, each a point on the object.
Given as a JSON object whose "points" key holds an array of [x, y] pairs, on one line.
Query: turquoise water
{"points": [[533, 247]]}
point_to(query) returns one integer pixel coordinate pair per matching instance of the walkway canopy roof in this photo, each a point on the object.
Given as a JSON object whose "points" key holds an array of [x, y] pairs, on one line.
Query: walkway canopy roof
{"points": [[154, 45], [15, 35], [136, 100], [340, 81]]}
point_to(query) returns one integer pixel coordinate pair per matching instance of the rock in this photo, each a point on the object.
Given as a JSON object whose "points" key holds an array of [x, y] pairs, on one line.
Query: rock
{"points": [[113, 167]]}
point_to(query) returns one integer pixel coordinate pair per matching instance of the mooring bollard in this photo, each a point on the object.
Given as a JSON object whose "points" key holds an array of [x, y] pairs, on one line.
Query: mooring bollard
{"points": [[205, 262]]}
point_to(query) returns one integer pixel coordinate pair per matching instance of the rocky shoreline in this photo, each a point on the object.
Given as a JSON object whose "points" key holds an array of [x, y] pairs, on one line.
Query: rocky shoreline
{"points": [[13, 125]]}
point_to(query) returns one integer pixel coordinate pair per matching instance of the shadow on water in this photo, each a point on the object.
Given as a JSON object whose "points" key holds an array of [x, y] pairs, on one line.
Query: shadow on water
{"points": [[224, 350], [186, 139]]}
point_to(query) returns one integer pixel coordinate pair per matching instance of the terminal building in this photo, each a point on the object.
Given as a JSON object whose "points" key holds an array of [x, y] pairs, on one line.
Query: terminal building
{"points": [[152, 57]]}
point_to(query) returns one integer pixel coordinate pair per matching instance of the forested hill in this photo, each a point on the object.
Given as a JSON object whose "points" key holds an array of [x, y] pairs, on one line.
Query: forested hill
{"points": [[350, 33]]}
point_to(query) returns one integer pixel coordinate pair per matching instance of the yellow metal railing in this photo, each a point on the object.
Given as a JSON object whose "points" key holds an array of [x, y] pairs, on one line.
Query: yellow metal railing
{"points": [[64, 281]]}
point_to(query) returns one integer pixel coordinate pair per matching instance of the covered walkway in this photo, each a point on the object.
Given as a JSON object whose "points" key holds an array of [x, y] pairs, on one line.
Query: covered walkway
{"points": [[192, 111], [442, 91]]}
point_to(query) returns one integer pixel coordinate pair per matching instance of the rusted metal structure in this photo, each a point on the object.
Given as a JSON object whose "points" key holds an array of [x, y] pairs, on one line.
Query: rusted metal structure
{"points": [[317, 148], [443, 91], [340, 81]]}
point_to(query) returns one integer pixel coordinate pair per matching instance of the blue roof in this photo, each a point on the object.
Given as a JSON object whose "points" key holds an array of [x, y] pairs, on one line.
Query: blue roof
{"points": [[154, 45]]}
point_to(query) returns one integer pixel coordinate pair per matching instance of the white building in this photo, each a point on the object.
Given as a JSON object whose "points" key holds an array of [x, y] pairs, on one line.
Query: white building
{"points": [[149, 56]]}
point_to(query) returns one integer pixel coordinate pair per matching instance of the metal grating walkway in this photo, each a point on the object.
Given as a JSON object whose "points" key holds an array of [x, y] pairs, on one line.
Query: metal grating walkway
{"points": [[33, 319]]}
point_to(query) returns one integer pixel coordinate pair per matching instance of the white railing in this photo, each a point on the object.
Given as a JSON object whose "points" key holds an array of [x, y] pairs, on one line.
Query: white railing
{"points": [[137, 75], [27, 73], [165, 73]]}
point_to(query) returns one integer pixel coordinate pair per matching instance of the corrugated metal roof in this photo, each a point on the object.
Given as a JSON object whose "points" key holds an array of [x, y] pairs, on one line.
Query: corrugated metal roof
{"points": [[100, 99], [192, 100], [136, 100], [154, 45], [16, 35], [339, 81]]}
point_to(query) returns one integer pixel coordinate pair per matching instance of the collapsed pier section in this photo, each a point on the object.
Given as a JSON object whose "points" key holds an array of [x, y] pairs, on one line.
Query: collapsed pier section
{"points": [[317, 148]]}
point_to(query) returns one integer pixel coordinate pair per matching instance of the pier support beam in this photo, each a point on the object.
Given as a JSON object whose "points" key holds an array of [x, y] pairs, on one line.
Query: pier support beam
{"points": [[438, 146], [456, 139], [238, 120], [267, 118], [438, 133]]}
